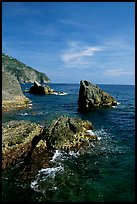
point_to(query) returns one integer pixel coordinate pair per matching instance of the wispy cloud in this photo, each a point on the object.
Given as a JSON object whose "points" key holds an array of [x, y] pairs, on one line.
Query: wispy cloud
{"points": [[117, 72], [74, 23], [78, 54]]}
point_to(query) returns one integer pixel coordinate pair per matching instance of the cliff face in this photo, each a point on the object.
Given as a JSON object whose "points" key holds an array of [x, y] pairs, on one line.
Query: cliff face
{"points": [[12, 96], [24, 73]]}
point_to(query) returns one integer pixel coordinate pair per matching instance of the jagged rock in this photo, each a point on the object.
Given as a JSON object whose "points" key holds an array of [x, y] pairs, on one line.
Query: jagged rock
{"points": [[31, 146], [37, 88], [91, 96], [19, 138], [68, 133]]}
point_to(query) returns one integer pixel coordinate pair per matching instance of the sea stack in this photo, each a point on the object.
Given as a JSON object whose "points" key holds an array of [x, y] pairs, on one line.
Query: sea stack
{"points": [[37, 88], [91, 96]]}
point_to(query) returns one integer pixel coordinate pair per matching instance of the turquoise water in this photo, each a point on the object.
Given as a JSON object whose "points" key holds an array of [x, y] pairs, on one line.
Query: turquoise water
{"points": [[101, 172]]}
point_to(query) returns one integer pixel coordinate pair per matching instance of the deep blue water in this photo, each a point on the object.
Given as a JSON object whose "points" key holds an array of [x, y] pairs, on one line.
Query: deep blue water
{"points": [[102, 172]]}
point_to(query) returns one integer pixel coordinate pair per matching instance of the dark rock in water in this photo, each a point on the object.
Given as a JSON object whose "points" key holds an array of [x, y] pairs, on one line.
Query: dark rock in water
{"points": [[68, 133], [37, 89], [91, 96], [41, 89]]}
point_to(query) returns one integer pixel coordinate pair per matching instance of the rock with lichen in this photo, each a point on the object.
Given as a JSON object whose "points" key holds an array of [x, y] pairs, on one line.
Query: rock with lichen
{"points": [[91, 96], [18, 139], [68, 133]]}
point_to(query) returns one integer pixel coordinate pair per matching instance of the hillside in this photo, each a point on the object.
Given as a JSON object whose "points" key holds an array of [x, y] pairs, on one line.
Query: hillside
{"points": [[24, 73]]}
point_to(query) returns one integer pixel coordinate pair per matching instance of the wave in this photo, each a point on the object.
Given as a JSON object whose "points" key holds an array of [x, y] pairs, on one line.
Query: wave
{"points": [[43, 177], [60, 94], [118, 103]]}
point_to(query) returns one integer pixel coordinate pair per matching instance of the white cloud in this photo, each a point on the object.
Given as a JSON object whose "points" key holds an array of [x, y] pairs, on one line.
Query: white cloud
{"points": [[117, 72], [78, 54]]}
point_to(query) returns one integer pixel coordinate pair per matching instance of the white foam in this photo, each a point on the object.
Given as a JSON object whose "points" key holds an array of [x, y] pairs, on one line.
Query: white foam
{"points": [[51, 171], [72, 153], [56, 155], [60, 94], [43, 175], [55, 93], [90, 132], [24, 114]]}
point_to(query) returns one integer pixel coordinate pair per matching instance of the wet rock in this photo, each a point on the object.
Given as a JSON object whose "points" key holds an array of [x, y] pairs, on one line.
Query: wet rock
{"points": [[91, 96], [33, 145], [18, 139], [68, 133]]}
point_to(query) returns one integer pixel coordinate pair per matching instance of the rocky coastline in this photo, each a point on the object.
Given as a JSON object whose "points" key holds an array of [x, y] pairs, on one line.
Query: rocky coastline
{"points": [[29, 142], [31, 145]]}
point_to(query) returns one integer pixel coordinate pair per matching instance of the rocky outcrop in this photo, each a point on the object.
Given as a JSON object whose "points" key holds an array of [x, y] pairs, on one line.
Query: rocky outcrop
{"points": [[91, 96], [68, 133], [23, 73], [39, 89], [12, 95], [23, 141], [19, 138]]}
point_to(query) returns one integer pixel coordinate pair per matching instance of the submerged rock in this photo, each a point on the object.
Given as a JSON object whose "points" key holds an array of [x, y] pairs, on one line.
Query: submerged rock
{"points": [[91, 96]]}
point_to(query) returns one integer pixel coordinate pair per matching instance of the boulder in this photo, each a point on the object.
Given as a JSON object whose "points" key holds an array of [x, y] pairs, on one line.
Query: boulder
{"points": [[68, 133], [91, 96]]}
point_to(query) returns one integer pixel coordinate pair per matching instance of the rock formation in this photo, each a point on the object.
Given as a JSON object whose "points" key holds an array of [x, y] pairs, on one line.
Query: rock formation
{"points": [[91, 96], [68, 133], [39, 89], [12, 95], [27, 142], [18, 141]]}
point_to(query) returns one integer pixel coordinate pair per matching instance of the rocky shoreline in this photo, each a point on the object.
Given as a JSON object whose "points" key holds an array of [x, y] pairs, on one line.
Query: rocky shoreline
{"points": [[33, 146], [16, 103]]}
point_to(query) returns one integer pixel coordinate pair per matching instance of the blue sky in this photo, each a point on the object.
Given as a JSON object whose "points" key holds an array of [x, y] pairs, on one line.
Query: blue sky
{"points": [[71, 41]]}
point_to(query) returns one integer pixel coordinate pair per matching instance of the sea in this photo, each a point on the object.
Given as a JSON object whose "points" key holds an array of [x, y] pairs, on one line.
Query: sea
{"points": [[100, 172]]}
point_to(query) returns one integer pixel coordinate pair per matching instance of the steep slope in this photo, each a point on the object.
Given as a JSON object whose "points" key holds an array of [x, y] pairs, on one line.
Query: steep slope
{"points": [[24, 73], [12, 96]]}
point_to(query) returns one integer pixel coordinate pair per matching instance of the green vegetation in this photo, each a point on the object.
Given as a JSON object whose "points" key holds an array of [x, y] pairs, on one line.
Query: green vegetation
{"points": [[24, 73]]}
